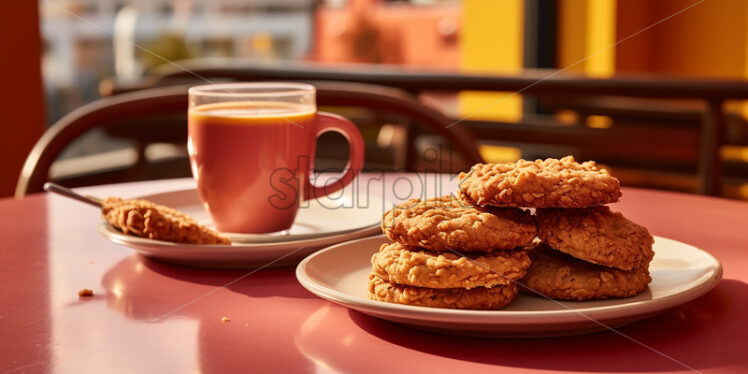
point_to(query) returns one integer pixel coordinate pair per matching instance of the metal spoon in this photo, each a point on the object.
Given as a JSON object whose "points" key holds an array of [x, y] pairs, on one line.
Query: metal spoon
{"points": [[64, 191]]}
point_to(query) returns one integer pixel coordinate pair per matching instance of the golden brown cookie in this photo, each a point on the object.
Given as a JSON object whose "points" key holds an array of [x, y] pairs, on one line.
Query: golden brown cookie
{"points": [[596, 235], [547, 183], [560, 276], [453, 298], [146, 219], [396, 263], [444, 223]]}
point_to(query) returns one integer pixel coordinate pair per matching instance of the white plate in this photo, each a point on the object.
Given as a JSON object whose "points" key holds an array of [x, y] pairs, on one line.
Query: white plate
{"points": [[680, 273], [323, 222]]}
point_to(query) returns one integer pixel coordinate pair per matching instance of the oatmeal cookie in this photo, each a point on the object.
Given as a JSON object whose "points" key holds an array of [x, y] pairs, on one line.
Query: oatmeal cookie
{"points": [[549, 183], [396, 263], [560, 276], [596, 235], [444, 223], [148, 220], [454, 298]]}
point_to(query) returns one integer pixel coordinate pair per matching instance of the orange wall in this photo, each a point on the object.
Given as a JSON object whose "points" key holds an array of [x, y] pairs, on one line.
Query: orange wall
{"points": [[21, 100], [708, 40]]}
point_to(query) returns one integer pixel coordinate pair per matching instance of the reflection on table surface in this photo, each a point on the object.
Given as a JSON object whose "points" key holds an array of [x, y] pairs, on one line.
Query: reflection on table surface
{"points": [[150, 316]]}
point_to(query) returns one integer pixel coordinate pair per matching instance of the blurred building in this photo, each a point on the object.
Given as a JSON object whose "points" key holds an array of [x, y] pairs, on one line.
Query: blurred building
{"points": [[80, 48], [413, 33]]}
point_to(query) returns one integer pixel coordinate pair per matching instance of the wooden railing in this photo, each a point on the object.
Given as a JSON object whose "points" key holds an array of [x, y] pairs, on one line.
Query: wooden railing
{"points": [[541, 83]]}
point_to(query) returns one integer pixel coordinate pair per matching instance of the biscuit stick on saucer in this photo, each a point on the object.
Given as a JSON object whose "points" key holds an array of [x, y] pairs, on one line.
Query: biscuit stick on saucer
{"points": [[148, 220]]}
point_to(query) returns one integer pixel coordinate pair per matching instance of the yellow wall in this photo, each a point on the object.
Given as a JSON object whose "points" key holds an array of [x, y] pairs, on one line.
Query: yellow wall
{"points": [[491, 41]]}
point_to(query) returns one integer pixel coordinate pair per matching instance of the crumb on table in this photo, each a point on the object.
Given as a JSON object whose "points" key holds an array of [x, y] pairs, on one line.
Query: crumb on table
{"points": [[85, 292], [225, 319]]}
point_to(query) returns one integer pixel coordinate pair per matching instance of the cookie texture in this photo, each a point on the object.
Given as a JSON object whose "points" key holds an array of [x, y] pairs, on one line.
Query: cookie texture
{"points": [[547, 183], [396, 263], [444, 223], [454, 298], [560, 276], [596, 235], [148, 220]]}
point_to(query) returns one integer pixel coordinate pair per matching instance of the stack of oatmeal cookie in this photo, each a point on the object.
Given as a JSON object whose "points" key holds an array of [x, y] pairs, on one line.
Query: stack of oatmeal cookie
{"points": [[449, 254], [477, 250], [587, 251]]}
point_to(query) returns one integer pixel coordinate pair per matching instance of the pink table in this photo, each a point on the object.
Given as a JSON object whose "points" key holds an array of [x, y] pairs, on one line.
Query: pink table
{"points": [[152, 317]]}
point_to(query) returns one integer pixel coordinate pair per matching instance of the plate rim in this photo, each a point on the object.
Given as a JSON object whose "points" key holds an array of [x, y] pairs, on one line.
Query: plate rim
{"points": [[111, 233], [297, 239], [481, 316]]}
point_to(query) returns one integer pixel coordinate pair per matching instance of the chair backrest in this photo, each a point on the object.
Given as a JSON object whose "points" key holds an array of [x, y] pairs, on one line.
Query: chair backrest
{"points": [[154, 102], [102, 113]]}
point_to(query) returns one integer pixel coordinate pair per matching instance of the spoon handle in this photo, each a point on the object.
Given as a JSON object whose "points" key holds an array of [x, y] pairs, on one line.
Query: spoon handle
{"points": [[64, 191]]}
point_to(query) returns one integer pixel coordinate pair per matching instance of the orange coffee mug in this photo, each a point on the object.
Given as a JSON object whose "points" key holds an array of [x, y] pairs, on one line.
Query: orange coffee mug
{"points": [[251, 148]]}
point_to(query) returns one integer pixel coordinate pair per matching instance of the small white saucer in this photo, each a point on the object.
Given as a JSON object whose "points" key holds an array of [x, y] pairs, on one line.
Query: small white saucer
{"points": [[680, 273], [322, 222], [325, 216]]}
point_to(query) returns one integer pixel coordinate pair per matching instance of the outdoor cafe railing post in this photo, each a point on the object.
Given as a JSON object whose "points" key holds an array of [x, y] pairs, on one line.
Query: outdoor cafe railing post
{"points": [[710, 162], [532, 81]]}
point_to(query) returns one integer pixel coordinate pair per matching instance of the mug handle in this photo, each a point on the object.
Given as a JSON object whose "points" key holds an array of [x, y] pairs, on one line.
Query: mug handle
{"points": [[332, 122]]}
